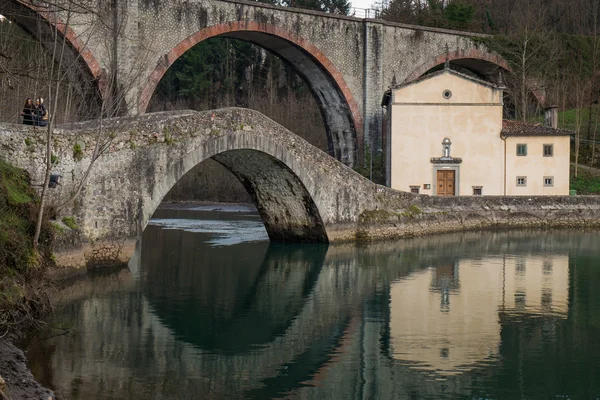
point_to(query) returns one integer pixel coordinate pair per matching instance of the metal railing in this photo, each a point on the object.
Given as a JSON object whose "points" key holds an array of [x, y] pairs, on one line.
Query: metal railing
{"points": [[364, 13]]}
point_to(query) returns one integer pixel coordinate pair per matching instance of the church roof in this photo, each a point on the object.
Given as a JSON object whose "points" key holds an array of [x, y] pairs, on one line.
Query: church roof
{"points": [[452, 72], [518, 128], [446, 70]]}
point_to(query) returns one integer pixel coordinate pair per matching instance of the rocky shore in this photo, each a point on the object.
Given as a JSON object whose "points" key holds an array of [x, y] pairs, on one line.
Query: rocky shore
{"points": [[16, 380]]}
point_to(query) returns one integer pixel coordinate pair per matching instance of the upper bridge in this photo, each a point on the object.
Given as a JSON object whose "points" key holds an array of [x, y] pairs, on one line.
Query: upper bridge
{"points": [[347, 62], [301, 193]]}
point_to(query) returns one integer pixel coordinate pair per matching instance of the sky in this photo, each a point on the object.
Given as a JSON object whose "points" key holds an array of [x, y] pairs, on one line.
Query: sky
{"points": [[362, 3]]}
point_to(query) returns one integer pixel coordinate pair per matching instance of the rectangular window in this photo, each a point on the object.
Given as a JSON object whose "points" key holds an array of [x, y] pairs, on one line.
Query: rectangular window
{"points": [[414, 189], [548, 150], [477, 190], [548, 181], [521, 149], [521, 181]]}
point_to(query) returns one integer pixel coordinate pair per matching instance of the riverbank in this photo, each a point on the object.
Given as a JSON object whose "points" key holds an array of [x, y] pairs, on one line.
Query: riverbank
{"points": [[23, 280], [19, 382]]}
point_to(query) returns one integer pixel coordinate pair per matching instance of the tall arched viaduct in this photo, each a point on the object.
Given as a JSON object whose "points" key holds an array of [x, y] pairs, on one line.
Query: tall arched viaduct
{"points": [[347, 62]]}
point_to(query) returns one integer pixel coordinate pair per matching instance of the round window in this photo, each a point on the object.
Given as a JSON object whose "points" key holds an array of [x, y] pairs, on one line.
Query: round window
{"points": [[447, 94]]}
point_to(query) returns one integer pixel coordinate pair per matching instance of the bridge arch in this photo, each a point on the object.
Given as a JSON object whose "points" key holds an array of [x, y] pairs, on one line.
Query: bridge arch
{"points": [[342, 117], [484, 63], [27, 16], [283, 191]]}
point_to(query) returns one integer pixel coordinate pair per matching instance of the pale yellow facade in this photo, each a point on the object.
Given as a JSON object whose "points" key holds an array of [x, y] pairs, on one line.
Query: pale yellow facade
{"points": [[467, 112], [537, 168]]}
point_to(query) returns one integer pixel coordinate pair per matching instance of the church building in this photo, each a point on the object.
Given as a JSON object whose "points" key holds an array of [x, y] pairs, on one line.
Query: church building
{"points": [[445, 136]]}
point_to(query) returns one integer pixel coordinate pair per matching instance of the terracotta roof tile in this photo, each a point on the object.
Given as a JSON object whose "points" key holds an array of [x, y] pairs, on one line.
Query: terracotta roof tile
{"points": [[517, 128]]}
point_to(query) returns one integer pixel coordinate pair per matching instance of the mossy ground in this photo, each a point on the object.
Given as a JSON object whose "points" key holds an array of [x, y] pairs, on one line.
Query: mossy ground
{"points": [[21, 268], [70, 222]]}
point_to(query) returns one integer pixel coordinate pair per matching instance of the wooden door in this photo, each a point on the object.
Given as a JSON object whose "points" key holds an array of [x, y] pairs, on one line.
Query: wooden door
{"points": [[445, 182]]}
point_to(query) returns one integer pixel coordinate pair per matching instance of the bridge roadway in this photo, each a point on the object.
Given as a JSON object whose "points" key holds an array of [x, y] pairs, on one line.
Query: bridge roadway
{"points": [[301, 193], [347, 62]]}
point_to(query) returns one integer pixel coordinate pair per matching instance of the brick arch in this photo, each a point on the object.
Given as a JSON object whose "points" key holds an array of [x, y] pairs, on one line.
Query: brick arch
{"points": [[72, 37], [473, 54], [86, 54], [230, 29]]}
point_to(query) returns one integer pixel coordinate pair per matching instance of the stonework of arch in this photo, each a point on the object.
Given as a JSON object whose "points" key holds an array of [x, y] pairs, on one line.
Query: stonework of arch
{"points": [[281, 172], [343, 119], [284, 203]]}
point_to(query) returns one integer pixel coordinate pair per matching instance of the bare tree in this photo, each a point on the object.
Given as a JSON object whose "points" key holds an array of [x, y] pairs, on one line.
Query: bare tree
{"points": [[531, 52], [54, 83], [113, 97]]}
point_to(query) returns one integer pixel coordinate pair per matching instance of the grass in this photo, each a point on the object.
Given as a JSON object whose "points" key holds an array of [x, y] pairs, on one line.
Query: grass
{"points": [[16, 227], [14, 186], [77, 152], [21, 268], [567, 118], [586, 182]]}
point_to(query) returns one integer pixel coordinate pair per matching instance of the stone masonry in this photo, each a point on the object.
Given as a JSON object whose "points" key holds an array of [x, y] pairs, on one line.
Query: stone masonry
{"points": [[301, 193], [347, 62]]}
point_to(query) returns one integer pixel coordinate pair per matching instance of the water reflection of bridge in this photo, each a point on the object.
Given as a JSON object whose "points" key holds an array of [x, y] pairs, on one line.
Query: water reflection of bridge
{"points": [[352, 316]]}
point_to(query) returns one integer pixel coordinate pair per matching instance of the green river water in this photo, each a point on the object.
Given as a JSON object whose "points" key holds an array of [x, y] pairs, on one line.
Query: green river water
{"points": [[209, 309]]}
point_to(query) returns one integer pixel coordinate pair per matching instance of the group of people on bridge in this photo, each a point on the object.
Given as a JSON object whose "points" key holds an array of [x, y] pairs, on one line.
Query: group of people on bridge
{"points": [[35, 113]]}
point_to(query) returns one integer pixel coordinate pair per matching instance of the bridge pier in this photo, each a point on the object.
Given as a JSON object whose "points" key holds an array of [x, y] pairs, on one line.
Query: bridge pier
{"points": [[373, 84]]}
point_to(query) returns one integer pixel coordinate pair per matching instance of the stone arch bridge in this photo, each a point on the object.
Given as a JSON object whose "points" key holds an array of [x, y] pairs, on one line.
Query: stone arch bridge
{"points": [[301, 193], [347, 62]]}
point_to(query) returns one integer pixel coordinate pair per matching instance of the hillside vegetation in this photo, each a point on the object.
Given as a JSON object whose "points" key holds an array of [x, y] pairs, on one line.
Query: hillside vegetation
{"points": [[587, 181], [22, 299]]}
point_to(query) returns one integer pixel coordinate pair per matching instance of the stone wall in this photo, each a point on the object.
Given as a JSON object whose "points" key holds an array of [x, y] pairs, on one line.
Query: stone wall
{"points": [[433, 215]]}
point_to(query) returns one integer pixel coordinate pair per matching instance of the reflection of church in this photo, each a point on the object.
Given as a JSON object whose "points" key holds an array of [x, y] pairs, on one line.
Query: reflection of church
{"points": [[447, 325]]}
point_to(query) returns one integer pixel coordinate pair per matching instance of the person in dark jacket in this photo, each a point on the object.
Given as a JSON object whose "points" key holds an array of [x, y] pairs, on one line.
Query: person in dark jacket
{"points": [[28, 112], [40, 113]]}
